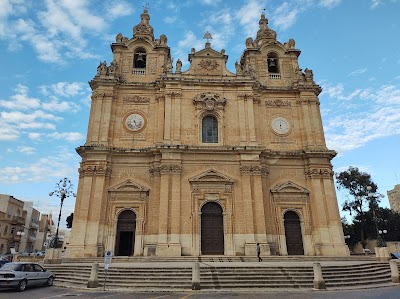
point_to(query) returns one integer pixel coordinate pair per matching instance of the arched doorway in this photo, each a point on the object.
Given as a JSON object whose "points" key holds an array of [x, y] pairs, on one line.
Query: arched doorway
{"points": [[294, 239], [125, 240], [212, 229]]}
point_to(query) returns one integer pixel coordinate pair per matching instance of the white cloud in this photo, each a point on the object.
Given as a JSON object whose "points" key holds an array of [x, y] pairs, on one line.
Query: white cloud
{"points": [[26, 150], [20, 100], [285, 15], [43, 169], [210, 2], [248, 16], [329, 3], [34, 136], [357, 72], [170, 20], [57, 106], [69, 136], [117, 9], [19, 117], [355, 126], [375, 3], [36, 125], [8, 132]]}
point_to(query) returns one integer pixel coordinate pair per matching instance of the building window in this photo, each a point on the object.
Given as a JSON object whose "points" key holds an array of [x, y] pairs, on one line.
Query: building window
{"points": [[12, 230], [6, 230], [209, 129]]}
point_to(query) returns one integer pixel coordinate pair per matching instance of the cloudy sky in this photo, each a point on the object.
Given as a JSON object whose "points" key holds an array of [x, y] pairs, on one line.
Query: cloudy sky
{"points": [[50, 49]]}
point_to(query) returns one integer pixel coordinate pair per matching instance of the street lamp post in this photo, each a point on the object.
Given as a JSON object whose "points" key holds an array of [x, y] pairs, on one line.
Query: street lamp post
{"points": [[370, 195], [383, 233], [20, 233], [62, 190]]}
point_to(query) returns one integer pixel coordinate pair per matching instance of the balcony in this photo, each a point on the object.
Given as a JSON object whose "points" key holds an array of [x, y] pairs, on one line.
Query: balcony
{"points": [[139, 72], [275, 76], [18, 220], [34, 225]]}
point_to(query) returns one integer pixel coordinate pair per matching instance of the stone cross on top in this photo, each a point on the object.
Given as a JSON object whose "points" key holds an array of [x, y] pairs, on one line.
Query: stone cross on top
{"points": [[207, 36]]}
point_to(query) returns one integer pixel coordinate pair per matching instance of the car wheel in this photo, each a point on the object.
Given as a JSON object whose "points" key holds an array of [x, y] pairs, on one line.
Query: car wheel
{"points": [[22, 285], [50, 281]]}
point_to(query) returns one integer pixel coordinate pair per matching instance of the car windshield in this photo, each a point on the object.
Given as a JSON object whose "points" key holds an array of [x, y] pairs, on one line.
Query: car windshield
{"points": [[10, 266]]}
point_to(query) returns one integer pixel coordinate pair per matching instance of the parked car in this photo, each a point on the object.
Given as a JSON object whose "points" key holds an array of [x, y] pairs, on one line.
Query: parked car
{"points": [[20, 275], [2, 262]]}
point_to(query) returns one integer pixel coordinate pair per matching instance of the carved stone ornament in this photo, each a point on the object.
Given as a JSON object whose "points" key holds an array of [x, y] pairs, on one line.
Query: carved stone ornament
{"points": [[277, 103], [136, 99], [94, 170], [318, 172], [289, 187], [170, 169], [208, 64], [143, 29], [211, 180], [254, 170], [209, 102]]}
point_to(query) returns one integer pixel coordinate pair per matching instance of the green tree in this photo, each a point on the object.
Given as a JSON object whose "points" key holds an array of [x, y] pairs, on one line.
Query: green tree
{"points": [[69, 219], [363, 199]]}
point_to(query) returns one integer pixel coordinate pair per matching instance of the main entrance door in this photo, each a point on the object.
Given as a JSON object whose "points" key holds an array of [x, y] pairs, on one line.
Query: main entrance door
{"points": [[294, 239], [125, 242], [212, 229]]}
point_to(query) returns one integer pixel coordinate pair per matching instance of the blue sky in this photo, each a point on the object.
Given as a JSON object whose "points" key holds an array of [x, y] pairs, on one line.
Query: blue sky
{"points": [[50, 49]]}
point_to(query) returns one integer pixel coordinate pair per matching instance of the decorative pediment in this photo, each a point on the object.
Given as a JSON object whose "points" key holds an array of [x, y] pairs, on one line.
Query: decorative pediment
{"points": [[289, 187], [211, 180], [128, 186], [208, 62], [209, 101]]}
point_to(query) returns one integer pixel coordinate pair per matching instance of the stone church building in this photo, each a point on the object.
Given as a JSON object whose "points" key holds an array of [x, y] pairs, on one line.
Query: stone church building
{"points": [[205, 161]]}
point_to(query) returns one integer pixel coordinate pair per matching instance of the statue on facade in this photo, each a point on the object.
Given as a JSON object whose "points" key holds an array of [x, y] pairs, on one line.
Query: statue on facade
{"points": [[178, 65], [102, 68], [113, 67], [309, 75]]}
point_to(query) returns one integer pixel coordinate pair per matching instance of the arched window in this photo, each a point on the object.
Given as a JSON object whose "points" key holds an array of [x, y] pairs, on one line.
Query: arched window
{"points": [[273, 65], [139, 59], [209, 129]]}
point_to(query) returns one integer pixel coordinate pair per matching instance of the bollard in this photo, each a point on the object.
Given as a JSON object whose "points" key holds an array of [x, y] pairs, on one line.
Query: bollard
{"points": [[196, 276], [319, 282], [94, 280], [394, 269]]}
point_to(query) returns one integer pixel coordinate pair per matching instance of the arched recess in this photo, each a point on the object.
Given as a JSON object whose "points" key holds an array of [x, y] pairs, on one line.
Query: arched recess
{"points": [[125, 236], [294, 238], [212, 229], [212, 186], [289, 196], [125, 196]]}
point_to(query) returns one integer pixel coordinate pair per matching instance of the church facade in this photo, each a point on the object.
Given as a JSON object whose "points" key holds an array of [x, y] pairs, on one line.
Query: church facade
{"points": [[205, 161]]}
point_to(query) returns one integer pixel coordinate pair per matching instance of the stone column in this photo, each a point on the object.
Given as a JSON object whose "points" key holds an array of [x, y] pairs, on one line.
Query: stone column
{"points": [[164, 202], [250, 117], [105, 119], [242, 121], [176, 108], [176, 208], [249, 247], [167, 120], [160, 118]]}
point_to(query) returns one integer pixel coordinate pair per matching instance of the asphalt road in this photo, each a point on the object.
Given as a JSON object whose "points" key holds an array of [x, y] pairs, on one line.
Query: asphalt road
{"points": [[57, 292]]}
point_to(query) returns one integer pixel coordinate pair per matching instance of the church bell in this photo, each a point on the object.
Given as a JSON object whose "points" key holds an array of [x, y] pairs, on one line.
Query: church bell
{"points": [[140, 61]]}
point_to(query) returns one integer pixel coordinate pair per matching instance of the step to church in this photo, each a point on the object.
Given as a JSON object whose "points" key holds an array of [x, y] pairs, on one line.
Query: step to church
{"points": [[167, 276]]}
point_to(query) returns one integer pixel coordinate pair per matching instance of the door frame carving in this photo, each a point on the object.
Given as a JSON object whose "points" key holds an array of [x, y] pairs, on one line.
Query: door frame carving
{"points": [[127, 195], [212, 186]]}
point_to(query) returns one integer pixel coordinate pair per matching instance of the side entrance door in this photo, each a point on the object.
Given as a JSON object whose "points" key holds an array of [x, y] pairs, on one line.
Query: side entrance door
{"points": [[212, 229]]}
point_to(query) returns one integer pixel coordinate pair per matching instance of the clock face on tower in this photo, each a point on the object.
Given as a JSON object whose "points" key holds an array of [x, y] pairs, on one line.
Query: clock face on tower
{"points": [[280, 125], [134, 122]]}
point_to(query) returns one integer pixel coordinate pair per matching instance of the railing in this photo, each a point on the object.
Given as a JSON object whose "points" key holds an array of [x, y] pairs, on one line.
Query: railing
{"points": [[275, 76], [34, 225], [139, 72]]}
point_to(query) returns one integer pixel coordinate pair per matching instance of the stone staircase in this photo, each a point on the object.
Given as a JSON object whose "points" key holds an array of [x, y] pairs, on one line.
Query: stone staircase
{"points": [[224, 276]]}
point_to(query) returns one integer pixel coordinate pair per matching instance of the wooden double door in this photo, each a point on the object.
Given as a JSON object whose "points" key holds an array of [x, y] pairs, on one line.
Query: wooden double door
{"points": [[212, 229], [294, 238]]}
